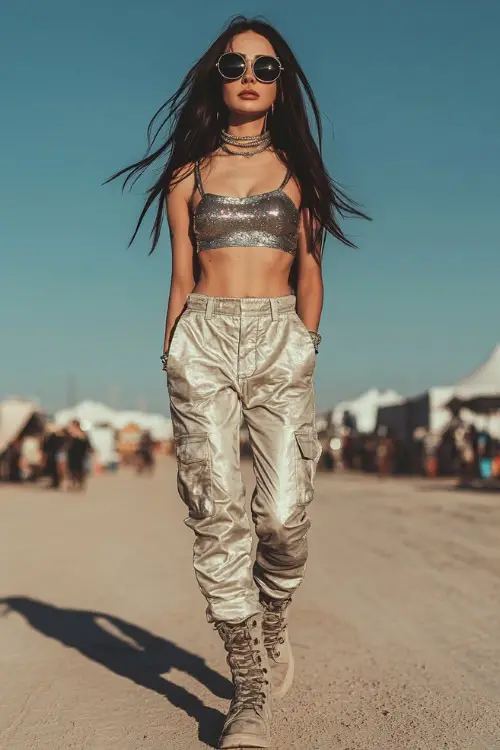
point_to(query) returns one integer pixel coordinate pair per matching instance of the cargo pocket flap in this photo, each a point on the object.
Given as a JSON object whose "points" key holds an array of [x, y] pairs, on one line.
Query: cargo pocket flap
{"points": [[192, 449], [307, 444]]}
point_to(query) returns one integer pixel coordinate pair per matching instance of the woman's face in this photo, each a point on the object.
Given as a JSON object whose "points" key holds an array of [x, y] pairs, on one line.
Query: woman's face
{"points": [[250, 45]]}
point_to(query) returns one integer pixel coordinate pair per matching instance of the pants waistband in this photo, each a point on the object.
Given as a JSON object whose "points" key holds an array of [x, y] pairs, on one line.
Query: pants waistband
{"points": [[241, 305]]}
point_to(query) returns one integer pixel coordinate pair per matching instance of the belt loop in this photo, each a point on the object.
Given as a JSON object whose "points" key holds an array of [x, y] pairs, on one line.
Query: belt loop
{"points": [[274, 308], [210, 308]]}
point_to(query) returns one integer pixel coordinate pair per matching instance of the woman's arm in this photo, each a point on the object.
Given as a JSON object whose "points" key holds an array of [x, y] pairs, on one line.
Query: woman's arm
{"points": [[182, 278], [309, 281]]}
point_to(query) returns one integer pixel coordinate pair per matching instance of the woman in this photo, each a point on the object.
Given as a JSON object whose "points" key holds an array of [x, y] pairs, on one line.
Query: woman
{"points": [[248, 201]]}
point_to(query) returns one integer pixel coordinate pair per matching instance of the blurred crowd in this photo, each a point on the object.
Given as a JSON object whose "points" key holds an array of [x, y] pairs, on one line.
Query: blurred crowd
{"points": [[460, 450], [63, 457], [58, 456]]}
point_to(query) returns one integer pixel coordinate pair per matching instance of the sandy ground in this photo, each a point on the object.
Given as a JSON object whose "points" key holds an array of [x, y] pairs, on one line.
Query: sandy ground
{"points": [[104, 642]]}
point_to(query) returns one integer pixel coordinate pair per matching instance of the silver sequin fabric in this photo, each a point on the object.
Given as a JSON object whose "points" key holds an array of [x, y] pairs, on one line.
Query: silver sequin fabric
{"points": [[265, 220]]}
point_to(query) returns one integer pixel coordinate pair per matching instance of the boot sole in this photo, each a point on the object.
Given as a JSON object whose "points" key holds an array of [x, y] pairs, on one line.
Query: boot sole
{"points": [[243, 741]]}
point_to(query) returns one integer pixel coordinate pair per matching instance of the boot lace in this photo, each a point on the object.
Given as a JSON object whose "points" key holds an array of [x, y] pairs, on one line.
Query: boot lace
{"points": [[274, 625], [249, 677]]}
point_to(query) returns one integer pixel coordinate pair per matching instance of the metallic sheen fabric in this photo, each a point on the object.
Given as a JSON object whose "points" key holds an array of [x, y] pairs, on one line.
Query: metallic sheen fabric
{"points": [[254, 358], [266, 220]]}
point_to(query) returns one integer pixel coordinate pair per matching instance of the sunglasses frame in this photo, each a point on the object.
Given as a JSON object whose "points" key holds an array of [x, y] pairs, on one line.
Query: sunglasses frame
{"points": [[247, 62]]}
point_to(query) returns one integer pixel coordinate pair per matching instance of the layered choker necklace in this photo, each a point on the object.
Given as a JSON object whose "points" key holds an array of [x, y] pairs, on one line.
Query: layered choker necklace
{"points": [[249, 144]]}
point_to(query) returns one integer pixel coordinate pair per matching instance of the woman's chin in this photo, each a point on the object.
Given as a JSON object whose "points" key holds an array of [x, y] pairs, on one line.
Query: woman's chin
{"points": [[248, 109]]}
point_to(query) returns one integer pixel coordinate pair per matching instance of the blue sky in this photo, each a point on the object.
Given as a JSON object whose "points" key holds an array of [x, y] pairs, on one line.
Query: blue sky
{"points": [[409, 93]]}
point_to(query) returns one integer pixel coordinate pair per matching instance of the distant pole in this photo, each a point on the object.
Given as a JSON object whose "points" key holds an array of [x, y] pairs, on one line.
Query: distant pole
{"points": [[114, 395], [71, 394]]}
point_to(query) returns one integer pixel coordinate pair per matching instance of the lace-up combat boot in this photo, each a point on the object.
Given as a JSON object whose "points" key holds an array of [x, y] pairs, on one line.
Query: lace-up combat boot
{"points": [[277, 643], [247, 722]]}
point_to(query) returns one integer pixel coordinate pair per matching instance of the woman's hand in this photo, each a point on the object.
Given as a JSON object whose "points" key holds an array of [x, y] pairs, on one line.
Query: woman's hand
{"points": [[164, 359]]}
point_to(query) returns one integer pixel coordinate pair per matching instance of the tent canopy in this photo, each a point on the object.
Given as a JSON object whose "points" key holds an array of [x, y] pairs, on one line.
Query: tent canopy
{"points": [[15, 414], [92, 413], [364, 409], [427, 411], [480, 391]]}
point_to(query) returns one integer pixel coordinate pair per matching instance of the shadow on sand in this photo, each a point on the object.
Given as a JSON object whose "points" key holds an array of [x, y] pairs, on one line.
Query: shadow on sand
{"points": [[143, 657]]}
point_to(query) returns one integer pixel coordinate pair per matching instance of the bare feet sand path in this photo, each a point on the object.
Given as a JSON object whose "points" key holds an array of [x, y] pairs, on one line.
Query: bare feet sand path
{"points": [[104, 642]]}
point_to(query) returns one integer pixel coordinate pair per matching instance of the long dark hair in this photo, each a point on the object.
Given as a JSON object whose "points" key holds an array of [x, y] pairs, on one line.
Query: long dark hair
{"points": [[195, 114]]}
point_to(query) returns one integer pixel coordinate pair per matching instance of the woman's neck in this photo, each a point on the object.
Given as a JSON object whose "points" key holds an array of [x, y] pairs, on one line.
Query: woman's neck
{"points": [[244, 127]]}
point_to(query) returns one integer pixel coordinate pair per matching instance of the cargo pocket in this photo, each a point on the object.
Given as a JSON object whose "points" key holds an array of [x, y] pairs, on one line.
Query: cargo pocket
{"points": [[303, 328], [307, 453], [194, 474]]}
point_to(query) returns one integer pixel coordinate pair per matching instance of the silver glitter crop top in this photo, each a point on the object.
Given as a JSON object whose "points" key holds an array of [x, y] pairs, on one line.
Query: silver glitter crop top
{"points": [[265, 220]]}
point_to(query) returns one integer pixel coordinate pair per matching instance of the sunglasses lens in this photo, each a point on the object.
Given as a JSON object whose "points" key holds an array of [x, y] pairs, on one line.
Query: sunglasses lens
{"points": [[231, 66], [267, 69]]}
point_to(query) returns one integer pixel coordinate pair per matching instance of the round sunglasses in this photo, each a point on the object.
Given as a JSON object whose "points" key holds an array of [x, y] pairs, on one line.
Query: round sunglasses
{"points": [[232, 66]]}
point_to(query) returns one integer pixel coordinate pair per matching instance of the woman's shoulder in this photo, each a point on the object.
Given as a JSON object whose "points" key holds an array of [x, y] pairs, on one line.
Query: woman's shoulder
{"points": [[184, 172], [183, 175], [183, 184]]}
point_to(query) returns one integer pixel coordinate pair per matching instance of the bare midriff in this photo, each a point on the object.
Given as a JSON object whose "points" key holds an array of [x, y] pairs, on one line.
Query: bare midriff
{"points": [[244, 272]]}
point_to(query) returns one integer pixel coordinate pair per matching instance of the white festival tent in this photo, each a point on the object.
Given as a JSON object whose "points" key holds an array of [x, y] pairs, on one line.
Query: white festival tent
{"points": [[431, 410], [14, 417], [365, 408], [159, 426], [92, 413], [480, 391], [426, 411], [89, 413]]}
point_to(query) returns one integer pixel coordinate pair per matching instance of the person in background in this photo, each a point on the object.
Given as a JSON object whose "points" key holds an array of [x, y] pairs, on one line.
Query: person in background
{"points": [[145, 456], [52, 445], [484, 452], [386, 453], [13, 455], [31, 457], [77, 453], [418, 452]]}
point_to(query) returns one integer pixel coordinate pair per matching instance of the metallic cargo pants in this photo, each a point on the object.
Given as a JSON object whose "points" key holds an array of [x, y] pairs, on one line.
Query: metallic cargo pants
{"points": [[250, 357]]}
